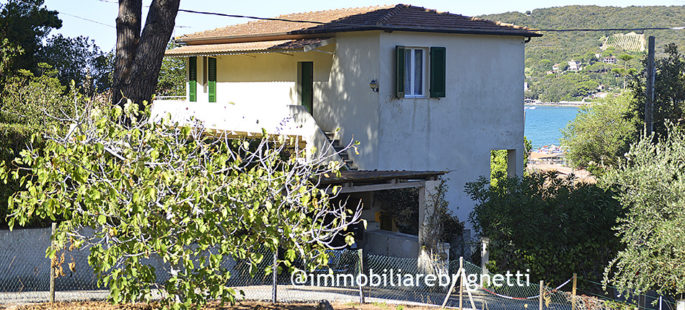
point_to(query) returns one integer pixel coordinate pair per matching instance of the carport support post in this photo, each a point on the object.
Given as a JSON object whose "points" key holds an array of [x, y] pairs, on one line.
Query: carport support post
{"points": [[52, 268], [427, 237]]}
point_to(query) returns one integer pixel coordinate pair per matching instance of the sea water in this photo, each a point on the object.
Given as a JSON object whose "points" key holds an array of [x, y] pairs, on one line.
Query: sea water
{"points": [[544, 124]]}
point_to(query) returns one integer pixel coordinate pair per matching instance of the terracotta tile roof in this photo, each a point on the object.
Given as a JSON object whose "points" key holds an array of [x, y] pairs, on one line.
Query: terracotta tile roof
{"points": [[244, 47], [399, 17]]}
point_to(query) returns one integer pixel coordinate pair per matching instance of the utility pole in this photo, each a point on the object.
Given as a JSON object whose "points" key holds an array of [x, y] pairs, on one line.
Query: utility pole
{"points": [[651, 72]]}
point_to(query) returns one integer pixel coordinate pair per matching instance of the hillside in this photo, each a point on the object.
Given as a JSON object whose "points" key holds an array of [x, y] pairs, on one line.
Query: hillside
{"points": [[590, 48]]}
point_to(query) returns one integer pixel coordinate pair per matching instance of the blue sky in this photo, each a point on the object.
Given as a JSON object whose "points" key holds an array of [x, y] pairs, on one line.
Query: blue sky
{"points": [[102, 13]]}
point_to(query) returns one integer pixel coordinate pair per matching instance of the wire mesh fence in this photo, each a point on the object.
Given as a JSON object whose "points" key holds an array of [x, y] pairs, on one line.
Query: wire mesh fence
{"points": [[25, 270], [351, 276]]}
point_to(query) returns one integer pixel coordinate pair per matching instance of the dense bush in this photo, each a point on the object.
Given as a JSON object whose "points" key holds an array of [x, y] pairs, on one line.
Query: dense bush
{"points": [[29, 105], [601, 133], [14, 137], [550, 225], [650, 183]]}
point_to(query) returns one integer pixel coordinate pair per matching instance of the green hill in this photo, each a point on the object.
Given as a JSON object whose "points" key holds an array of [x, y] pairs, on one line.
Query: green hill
{"points": [[561, 47]]}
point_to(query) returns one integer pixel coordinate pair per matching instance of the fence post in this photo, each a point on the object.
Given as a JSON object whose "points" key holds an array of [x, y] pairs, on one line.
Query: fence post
{"points": [[660, 299], [461, 284], [53, 227], [274, 287], [360, 270], [542, 289], [484, 255], [573, 292]]}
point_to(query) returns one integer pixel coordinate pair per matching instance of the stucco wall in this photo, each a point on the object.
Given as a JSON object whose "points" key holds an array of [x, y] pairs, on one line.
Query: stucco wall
{"points": [[346, 101], [263, 80], [482, 111], [393, 244]]}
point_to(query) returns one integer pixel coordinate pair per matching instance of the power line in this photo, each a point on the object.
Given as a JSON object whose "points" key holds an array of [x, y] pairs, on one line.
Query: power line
{"points": [[72, 15], [348, 24], [260, 18], [608, 29], [87, 19]]}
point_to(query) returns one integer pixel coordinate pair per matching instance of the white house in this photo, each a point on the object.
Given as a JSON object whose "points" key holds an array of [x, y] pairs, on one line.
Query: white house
{"points": [[609, 60], [420, 90]]}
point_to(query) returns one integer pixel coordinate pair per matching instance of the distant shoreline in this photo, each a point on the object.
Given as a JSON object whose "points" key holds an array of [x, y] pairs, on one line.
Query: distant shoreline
{"points": [[575, 104]]}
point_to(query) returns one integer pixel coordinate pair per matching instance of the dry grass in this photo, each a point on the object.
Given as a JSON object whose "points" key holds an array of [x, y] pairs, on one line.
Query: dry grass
{"points": [[248, 305]]}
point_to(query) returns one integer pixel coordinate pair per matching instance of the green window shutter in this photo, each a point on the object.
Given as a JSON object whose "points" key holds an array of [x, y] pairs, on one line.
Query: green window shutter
{"points": [[192, 79], [211, 76], [437, 72], [399, 71]]}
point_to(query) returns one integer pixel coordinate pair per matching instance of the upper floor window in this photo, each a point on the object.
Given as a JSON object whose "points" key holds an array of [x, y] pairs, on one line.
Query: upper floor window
{"points": [[414, 77], [208, 67], [417, 68]]}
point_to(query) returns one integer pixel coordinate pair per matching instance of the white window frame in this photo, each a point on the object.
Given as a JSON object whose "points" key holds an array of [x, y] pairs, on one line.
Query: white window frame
{"points": [[409, 89]]}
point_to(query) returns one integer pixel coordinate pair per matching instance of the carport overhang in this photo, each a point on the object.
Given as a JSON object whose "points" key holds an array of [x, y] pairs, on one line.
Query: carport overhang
{"points": [[426, 182], [353, 181]]}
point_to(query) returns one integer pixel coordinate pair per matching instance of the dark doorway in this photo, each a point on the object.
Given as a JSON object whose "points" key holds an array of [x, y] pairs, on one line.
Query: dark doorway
{"points": [[305, 84]]}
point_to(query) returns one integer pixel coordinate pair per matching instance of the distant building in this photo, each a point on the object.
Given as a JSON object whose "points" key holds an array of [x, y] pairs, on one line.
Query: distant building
{"points": [[600, 95], [609, 60], [574, 65], [555, 68]]}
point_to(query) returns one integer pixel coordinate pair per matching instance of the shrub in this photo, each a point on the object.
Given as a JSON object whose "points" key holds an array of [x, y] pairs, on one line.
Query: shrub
{"points": [[14, 137], [650, 183], [601, 133], [550, 225], [26, 106]]}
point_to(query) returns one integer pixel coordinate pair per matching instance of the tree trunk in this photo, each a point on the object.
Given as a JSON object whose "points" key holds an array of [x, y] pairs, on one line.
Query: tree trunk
{"points": [[137, 69], [128, 35]]}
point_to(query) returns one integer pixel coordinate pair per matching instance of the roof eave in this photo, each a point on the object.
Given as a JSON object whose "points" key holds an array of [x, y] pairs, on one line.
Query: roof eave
{"points": [[513, 32], [248, 38], [243, 52], [303, 34]]}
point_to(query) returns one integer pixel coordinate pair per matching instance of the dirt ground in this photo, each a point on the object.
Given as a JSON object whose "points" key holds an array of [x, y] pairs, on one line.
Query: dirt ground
{"points": [[240, 306], [581, 175]]}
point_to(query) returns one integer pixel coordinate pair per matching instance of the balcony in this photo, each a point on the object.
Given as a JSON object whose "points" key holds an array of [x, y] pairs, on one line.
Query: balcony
{"points": [[290, 120]]}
